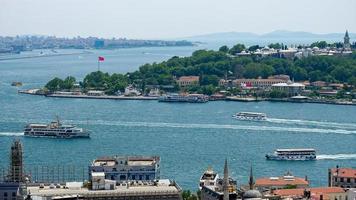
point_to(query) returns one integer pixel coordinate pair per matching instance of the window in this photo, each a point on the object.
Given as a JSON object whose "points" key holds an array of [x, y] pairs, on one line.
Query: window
{"points": [[348, 180], [341, 179], [5, 194], [14, 194]]}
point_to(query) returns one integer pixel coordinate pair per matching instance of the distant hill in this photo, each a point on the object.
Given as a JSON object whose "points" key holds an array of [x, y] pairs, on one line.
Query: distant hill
{"points": [[288, 37]]}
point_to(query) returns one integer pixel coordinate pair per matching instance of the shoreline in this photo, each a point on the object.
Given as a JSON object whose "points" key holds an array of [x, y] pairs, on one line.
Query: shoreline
{"points": [[239, 99], [44, 56]]}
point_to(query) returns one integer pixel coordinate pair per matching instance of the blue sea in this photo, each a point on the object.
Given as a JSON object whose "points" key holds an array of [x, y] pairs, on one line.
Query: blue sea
{"points": [[188, 137]]}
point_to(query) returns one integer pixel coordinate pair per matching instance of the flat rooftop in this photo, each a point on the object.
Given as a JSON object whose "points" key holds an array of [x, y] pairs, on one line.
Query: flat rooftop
{"points": [[163, 187], [131, 160]]}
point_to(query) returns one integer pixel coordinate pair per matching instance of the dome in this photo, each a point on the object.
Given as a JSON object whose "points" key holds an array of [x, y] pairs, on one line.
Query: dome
{"points": [[252, 194]]}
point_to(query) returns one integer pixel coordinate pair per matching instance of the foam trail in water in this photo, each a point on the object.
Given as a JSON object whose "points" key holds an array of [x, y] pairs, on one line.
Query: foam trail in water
{"points": [[336, 157], [216, 126], [11, 134], [312, 123]]}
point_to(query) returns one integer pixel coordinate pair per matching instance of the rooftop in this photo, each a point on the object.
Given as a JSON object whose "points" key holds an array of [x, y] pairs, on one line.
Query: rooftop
{"points": [[130, 160], [162, 187], [344, 172], [189, 78], [313, 191], [281, 181]]}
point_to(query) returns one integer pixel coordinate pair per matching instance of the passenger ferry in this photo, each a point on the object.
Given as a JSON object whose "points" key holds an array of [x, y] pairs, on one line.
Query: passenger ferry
{"points": [[209, 178], [190, 98], [250, 116], [55, 130], [292, 154]]}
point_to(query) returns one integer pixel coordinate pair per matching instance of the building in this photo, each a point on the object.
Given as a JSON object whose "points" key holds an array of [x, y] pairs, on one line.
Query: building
{"points": [[342, 177], [130, 90], [160, 190], [9, 191], [95, 93], [351, 194], [290, 88], [251, 83], [123, 168], [264, 184], [185, 81], [223, 189], [322, 193]]}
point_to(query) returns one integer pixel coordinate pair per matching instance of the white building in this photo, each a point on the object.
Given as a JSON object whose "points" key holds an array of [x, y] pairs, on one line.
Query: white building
{"points": [[292, 89], [130, 90]]}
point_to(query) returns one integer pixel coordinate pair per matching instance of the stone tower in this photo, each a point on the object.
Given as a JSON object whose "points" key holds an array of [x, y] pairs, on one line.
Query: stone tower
{"points": [[16, 163], [347, 44], [226, 181]]}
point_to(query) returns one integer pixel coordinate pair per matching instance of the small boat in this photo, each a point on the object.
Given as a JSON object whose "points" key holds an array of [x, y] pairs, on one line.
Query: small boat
{"points": [[250, 116], [16, 84], [209, 178], [292, 154], [55, 130]]}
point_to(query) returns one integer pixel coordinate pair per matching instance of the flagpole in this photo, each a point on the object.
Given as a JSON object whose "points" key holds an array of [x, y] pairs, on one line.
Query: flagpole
{"points": [[98, 65]]}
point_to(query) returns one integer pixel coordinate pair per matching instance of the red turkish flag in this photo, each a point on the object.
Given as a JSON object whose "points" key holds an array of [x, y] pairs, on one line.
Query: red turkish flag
{"points": [[100, 58]]}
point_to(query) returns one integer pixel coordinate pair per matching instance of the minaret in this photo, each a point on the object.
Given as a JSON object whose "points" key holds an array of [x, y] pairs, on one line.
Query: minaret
{"points": [[226, 182], [251, 181], [16, 163], [347, 40]]}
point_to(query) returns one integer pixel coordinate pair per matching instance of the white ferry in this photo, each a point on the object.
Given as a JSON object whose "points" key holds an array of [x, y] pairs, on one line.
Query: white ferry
{"points": [[250, 116], [209, 178], [55, 130], [190, 98], [292, 154]]}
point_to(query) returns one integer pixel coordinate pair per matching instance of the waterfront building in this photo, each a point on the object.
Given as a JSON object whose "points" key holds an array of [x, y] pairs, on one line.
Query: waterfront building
{"points": [[222, 189], [185, 81], [123, 168], [342, 177], [264, 184], [290, 88], [252, 83], [154, 92], [95, 93], [160, 190], [130, 90], [321, 193]]}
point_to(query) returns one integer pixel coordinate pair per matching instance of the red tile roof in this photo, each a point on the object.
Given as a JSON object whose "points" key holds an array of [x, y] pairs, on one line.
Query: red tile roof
{"points": [[344, 172], [281, 181], [189, 78], [315, 192]]}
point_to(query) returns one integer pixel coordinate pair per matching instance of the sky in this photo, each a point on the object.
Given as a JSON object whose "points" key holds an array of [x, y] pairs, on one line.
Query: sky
{"points": [[164, 19]]}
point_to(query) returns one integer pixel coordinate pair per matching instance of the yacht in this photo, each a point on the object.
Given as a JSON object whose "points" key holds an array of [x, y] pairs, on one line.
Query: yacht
{"points": [[209, 178], [250, 116], [292, 154], [55, 130], [190, 98]]}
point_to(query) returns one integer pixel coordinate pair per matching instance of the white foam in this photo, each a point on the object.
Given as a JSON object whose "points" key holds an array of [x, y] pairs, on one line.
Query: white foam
{"points": [[336, 157], [11, 133], [218, 126], [312, 123]]}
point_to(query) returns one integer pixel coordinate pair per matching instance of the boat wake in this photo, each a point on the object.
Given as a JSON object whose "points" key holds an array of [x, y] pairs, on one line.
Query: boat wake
{"points": [[312, 123], [336, 157], [217, 126], [11, 133]]}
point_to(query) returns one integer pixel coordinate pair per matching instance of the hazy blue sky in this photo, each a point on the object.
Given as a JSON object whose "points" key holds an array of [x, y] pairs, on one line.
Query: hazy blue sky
{"points": [[173, 18]]}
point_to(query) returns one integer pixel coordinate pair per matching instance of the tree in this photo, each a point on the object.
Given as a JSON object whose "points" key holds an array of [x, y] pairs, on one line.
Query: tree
{"points": [[224, 49], [277, 94], [68, 83], [238, 48], [54, 84], [253, 47]]}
